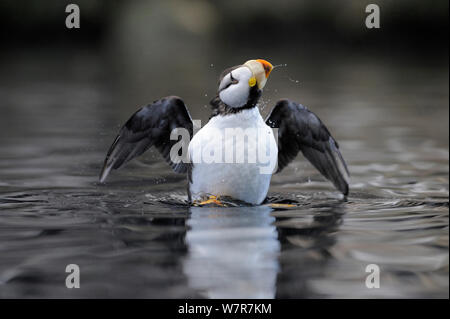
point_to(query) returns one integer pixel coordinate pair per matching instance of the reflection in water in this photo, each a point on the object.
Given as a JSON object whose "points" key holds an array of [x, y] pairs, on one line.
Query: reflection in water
{"points": [[233, 252], [306, 239]]}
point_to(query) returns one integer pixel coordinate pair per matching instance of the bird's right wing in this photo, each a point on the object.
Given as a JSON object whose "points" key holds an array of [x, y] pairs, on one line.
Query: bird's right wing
{"points": [[150, 126]]}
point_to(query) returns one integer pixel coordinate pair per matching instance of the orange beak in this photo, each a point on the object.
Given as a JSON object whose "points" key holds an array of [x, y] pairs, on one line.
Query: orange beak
{"points": [[260, 69], [268, 67]]}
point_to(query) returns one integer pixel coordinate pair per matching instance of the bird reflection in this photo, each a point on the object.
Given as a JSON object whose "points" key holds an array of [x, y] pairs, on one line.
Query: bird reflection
{"points": [[233, 252], [306, 237]]}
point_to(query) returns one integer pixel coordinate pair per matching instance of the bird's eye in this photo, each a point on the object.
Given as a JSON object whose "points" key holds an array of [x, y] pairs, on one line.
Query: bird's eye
{"points": [[233, 80]]}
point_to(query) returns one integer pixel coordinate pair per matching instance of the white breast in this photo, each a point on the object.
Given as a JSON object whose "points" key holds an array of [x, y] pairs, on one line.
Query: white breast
{"points": [[233, 155]]}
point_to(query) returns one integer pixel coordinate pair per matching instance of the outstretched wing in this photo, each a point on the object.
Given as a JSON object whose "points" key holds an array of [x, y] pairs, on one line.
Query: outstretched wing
{"points": [[301, 130], [149, 126]]}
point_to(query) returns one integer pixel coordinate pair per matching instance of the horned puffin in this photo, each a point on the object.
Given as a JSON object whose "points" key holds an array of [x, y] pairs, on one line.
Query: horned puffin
{"points": [[223, 164]]}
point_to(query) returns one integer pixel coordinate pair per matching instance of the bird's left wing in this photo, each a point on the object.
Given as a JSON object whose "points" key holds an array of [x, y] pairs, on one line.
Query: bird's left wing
{"points": [[301, 130], [150, 126]]}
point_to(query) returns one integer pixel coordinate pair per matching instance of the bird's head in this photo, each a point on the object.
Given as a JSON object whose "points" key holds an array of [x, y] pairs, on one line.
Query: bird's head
{"points": [[241, 85]]}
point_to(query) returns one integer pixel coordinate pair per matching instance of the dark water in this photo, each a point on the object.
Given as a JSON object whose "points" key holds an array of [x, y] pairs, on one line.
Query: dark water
{"points": [[133, 237]]}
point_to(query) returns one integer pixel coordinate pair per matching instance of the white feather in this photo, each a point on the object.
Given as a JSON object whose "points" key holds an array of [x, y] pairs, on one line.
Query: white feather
{"points": [[247, 181], [236, 95]]}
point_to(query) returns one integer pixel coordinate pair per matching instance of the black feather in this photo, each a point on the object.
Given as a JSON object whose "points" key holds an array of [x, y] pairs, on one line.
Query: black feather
{"points": [[149, 126], [301, 130]]}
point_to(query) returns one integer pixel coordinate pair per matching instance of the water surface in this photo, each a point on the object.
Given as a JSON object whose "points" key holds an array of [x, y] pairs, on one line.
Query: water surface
{"points": [[135, 237]]}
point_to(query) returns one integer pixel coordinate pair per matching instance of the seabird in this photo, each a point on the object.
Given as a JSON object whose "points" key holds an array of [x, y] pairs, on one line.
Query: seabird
{"points": [[234, 108]]}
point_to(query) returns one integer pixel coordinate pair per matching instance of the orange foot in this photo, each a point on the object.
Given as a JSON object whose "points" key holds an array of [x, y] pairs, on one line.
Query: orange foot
{"points": [[212, 200]]}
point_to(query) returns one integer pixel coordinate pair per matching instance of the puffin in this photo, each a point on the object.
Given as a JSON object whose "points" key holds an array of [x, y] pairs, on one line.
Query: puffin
{"points": [[236, 153]]}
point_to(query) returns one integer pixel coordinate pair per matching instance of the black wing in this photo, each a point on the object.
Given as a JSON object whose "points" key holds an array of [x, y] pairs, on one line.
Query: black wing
{"points": [[149, 126], [301, 130]]}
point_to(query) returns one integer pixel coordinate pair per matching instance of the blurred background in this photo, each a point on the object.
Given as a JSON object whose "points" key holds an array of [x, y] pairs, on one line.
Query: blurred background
{"points": [[148, 49], [64, 93]]}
